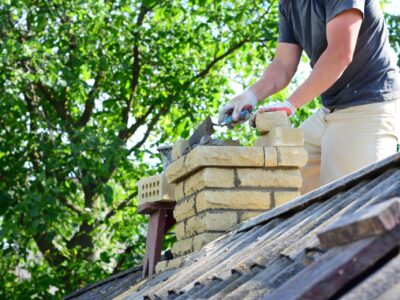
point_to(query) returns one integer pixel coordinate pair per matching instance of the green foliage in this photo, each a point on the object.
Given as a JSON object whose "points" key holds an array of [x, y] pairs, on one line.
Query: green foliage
{"points": [[88, 88]]}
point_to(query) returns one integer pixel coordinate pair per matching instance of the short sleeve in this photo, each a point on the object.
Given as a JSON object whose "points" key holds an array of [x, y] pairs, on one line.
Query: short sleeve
{"points": [[286, 33], [335, 7]]}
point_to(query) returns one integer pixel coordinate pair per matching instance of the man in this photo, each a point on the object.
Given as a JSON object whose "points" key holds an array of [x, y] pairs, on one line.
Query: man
{"points": [[355, 72]]}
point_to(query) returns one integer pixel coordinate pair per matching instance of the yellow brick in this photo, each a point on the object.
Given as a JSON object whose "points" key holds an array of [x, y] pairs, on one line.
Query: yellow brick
{"points": [[179, 194], [269, 178], [199, 241], [209, 177], [161, 266], [211, 221], [284, 197], [182, 247], [175, 263], [179, 149], [176, 170], [292, 156], [212, 156], [180, 230], [269, 120], [184, 209], [271, 157], [249, 215], [234, 199], [281, 137]]}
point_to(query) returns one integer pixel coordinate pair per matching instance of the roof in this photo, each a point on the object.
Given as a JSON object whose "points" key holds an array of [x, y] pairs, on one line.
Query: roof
{"points": [[277, 255], [109, 288]]}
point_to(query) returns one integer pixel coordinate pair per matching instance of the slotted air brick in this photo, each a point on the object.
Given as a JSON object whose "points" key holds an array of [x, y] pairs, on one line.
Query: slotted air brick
{"points": [[269, 178], [212, 156], [209, 177], [155, 188], [211, 221], [185, 209], [281, 137], [283, 197], [269, 120], [179, 149], [233, 199], [292, 156]]}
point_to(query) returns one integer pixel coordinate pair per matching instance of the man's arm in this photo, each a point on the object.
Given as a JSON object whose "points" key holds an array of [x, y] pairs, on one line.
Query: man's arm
{"points": [[276, 77], [342, 33], [279, 73]]}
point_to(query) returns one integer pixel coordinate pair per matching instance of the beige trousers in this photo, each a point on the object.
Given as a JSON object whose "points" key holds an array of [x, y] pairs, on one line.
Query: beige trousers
{"points": [[346, 140]]}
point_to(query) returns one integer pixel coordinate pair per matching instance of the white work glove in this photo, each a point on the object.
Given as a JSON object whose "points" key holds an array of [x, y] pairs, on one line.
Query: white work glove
{"points": [[276, 106], [246, 100]]}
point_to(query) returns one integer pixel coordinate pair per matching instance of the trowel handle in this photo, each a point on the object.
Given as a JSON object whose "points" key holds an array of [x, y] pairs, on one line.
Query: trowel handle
{"points": [[244, 116]]}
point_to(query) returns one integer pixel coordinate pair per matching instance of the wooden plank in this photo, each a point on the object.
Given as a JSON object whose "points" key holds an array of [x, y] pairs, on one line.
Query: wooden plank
{"points": [[150, 207], [337, 268], [367, 222], [323, 193]]}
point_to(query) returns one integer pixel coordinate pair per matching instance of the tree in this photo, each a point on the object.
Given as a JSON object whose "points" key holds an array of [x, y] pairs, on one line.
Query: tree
{"points": [[84, 85]]}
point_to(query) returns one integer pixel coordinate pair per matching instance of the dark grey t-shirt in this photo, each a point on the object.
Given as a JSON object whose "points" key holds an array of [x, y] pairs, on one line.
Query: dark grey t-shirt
{"points": [[373, 75]]}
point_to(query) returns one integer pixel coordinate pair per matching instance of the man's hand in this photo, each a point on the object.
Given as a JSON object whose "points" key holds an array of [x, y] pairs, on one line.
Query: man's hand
{"points": [[285, 106], [245, 101]]}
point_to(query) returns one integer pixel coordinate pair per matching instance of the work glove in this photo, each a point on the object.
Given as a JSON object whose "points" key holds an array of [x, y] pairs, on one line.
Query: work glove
{"points": [[276, 106], [245, 101]]}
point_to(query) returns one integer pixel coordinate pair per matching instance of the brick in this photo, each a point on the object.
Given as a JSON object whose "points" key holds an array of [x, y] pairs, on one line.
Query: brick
{"points": [[179, 194], [209, 177], [271, 157], [281, 137], [199, 241], [211, 221], [176, 169], [269, 178], [292, 156], [185, 209], [212, 156], [269, 120], [180, 230], [175, 263], [161, 266], [155, 188], [166, 265], [284, 197], [179, 149], [182, 247], [246, 215], [234, 199]]}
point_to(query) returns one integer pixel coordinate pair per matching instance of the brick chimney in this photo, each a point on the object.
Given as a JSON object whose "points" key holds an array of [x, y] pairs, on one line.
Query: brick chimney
{"points": [[217, 187]]}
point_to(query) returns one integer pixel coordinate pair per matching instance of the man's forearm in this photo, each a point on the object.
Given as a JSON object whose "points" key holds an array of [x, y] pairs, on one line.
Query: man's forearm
{"points": [[328, 69], [272, 81]]}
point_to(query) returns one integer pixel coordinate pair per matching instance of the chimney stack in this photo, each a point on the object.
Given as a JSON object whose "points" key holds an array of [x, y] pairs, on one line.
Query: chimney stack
{"points": [[218, 187]]}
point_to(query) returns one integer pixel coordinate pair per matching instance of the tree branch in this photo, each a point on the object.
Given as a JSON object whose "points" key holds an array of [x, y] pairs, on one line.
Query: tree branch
{"points": [[120, 206], [136, 63], [70, 205], [89, 105], [208, 68]]}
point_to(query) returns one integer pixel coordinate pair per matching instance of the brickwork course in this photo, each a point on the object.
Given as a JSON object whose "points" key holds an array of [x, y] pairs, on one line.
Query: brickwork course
{"points": [[218, 187]]}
